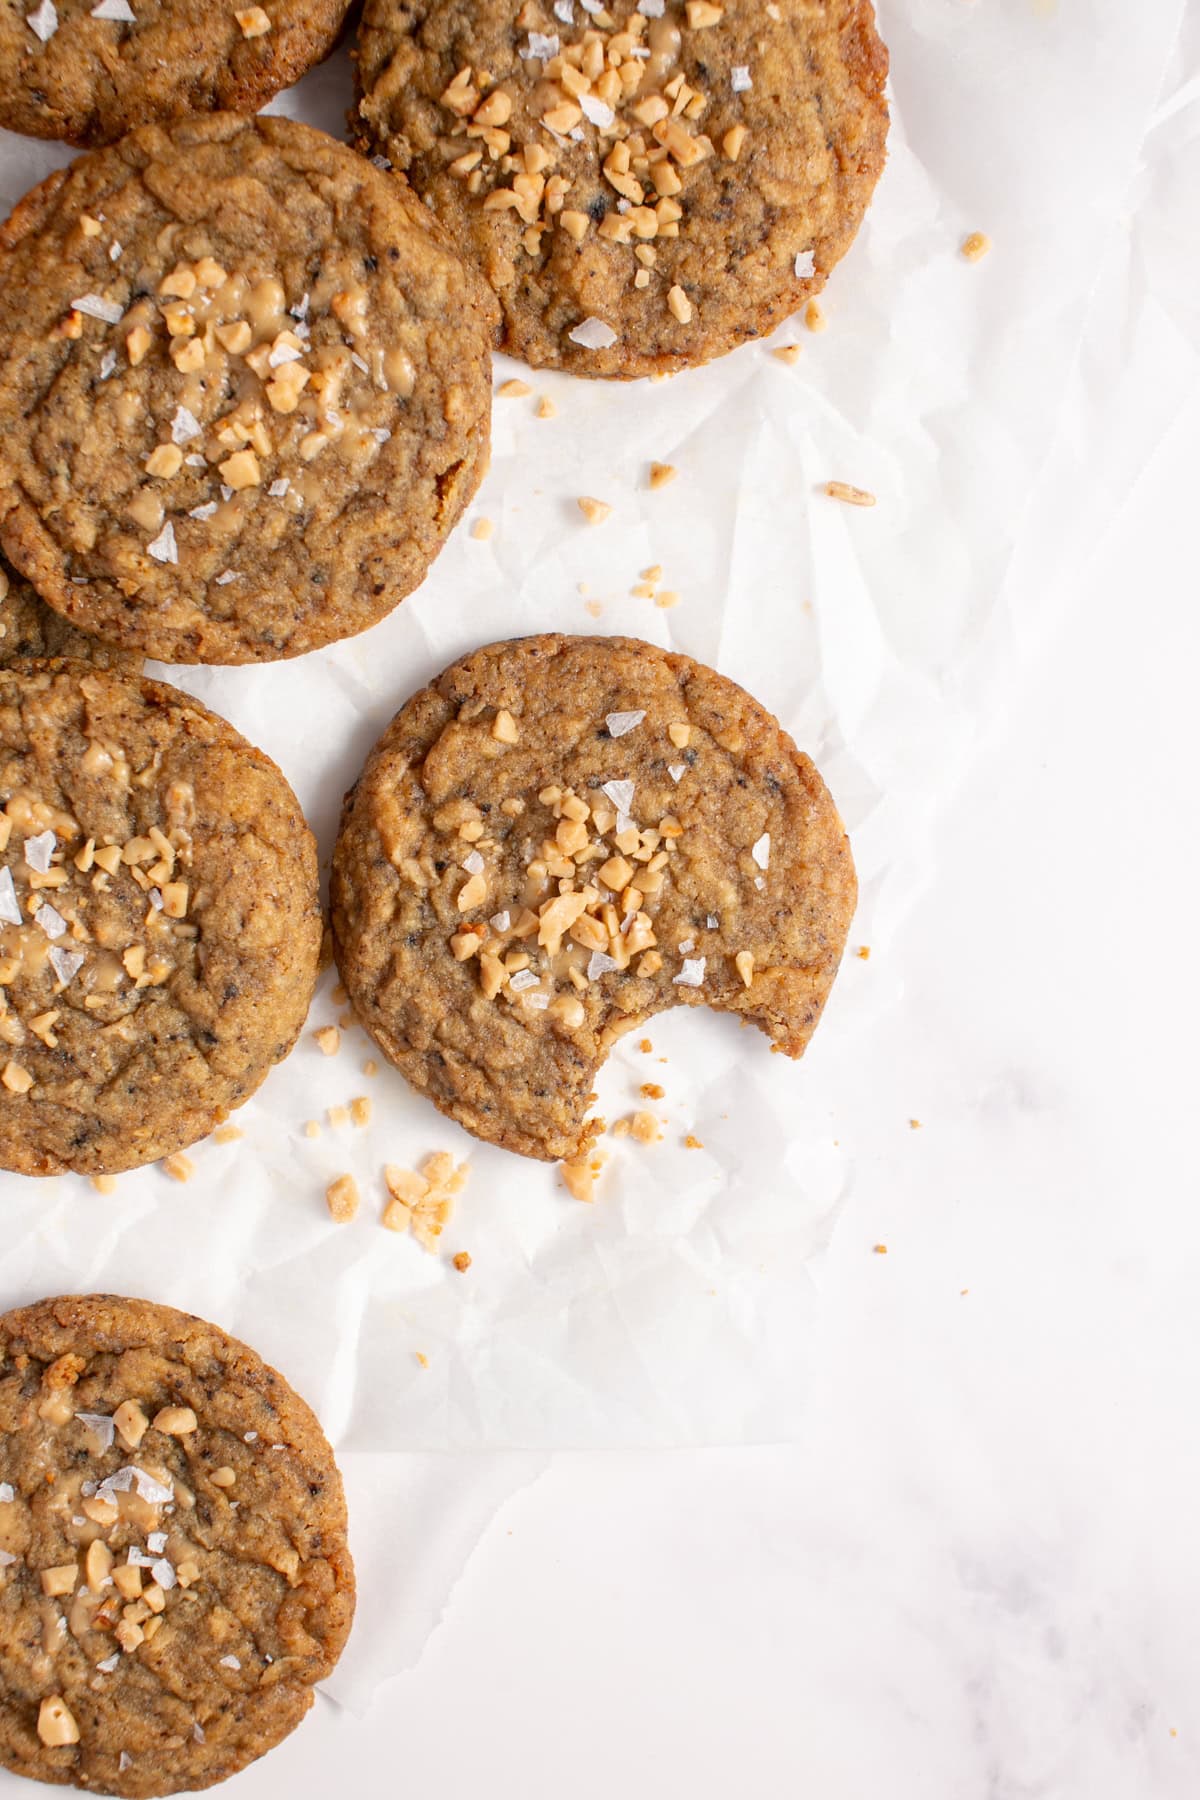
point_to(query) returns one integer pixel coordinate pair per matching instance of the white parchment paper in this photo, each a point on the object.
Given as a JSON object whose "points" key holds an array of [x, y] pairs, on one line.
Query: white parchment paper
{"points": [[678, 1309]]}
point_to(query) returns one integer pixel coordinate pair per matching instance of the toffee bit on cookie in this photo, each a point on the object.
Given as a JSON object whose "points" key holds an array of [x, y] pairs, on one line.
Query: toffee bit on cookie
{"points": [[975, 246], [504, 727], [56, 1723], [482, 530], [850, 496], [16, 1079], [594, 511], [328, 1040], [179, 1167], [341, 1197], [743, 962], [661, 474], [679, 304], [175, 1421], [733, 141], [513, 390], [253, 22]]}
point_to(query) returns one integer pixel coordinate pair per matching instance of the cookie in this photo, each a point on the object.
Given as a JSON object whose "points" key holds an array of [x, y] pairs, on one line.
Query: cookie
{"points": [[89, 72], [30, 630], [559, 838], [160, 926], [245, 386], [644, 188], [174, 1573]]}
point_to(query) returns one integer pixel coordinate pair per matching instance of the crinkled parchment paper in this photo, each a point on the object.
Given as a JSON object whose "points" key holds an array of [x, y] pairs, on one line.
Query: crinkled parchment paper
{"points": [[678, 1309]]}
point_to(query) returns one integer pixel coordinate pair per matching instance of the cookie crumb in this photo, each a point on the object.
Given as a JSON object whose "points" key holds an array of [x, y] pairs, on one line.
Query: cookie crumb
{"points": [[513, 390], [879, 1249], [594, 511], [482, 530], [692, 1143], [975, 246], [421, 1358], [863, 952], [593, 608], [253, 22], [360, 1110], [852, 496], [341, 1197], [370, 1067], [312, 1129], [914, 1124], [661, 474], [461, 1261], [338, 1116], [645, 1046], [579, 1179], [645, 1128], [179, 1167], [650, 1090], [328, 1040]]}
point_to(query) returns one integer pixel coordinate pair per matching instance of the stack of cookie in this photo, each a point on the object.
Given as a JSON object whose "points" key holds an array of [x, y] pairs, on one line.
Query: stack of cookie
{"points": [[245, 379]]}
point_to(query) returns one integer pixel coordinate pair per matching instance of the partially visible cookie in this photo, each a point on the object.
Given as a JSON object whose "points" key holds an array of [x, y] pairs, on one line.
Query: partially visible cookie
{"points": [[160, 925], [644, 186], [174, 1572], [559, 838], [246, 390], [29, 629], [89, 70]]}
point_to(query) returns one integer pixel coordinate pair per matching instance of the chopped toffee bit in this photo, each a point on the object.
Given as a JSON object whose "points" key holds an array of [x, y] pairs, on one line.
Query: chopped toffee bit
{"points": [[661, 474], [545, 408], [594, 511], [787, 353], [814, 318], [56, 1724], [179, 1167], [879, 1249], [692, 1143], [482, 529], [328, 1040], [914, 1124], [341, 1196], [645, 1128], [863, 952], [975, 246], [513, 390], [253, 22], [461, 1261], [852, 496]]}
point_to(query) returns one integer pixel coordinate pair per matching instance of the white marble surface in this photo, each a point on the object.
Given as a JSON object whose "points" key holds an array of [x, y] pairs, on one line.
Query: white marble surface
{"points": [[977, 1576], [974, 1576]]}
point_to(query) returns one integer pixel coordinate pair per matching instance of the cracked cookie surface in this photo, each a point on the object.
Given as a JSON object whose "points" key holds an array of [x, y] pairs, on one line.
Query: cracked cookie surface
{"points": [[557, 839], [89, 72], [159, 920], [645, 187], [174, 1572], [248, 389], [30, 631]]}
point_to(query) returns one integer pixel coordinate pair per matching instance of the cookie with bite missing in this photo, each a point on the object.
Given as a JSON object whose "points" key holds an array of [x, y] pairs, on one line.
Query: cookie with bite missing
{"points": [[645, 186], [160, 925], [174, 1571], [246, 387], [559, 838]]}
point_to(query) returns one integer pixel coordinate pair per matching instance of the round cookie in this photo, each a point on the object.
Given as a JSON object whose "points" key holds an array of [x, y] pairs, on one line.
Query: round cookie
{"points": [[88, 72], [160, 926], [29, 630], [644, 188], [175, 1575], [246, 385], [559, 838]]}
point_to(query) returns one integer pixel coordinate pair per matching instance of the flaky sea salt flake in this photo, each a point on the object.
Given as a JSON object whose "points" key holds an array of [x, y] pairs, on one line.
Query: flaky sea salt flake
{"points": [[761, 851], [564, 12], [163, 548], [592, 334], [597, 111], [108, 363], [119, 11], [99, 1424], [44, 22], [540, 45], [621, 795], [109, 1664], [156, 1541], [692, 972], [184, 426], [226, 576], [97, 307], [203, 512], [600, 964], [279, 488], [677, 771], [500, 921], [739, 78], [39, 850], [474, 863], [154, 1493], [618, 724], [10, 912], [163, 1573], [805, 266], [7, 1494], [231, 1662], [524, 978], [51, 922]]}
